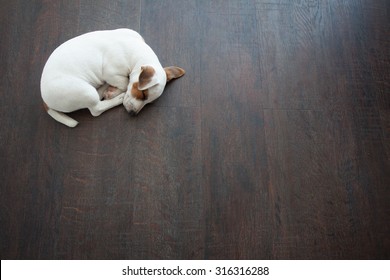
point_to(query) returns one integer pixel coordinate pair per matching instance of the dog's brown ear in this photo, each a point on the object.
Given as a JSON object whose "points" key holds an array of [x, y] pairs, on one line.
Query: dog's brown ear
{"points": [[174, 72], [147, 78]]}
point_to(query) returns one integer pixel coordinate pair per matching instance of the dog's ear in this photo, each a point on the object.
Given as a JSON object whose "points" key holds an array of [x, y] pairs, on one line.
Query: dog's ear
{"points": [[147, 78], [174, 72]]}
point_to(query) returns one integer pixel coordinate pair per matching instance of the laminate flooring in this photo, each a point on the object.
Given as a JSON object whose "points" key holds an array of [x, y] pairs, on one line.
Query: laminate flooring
{"points": [[274, 145]]}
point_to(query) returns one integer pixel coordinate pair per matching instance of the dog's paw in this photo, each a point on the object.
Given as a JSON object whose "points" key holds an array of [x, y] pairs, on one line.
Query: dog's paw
{"points": [[111, 92]]}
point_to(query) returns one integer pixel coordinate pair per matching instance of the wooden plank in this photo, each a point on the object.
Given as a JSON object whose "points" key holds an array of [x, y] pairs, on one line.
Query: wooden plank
{"points": [[233, 142], [169, 217]]}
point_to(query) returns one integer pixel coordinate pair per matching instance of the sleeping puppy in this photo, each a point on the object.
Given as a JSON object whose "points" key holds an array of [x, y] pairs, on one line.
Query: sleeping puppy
{"points": [[100, 70]]}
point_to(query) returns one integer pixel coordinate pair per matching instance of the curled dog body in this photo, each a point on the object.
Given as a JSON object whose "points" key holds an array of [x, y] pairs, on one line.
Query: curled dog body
{"points": [[100, 70]]}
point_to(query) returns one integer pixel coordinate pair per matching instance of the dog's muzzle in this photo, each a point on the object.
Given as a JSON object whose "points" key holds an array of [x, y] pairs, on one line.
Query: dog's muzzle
{"points": [[129, 106], [132, 113]]}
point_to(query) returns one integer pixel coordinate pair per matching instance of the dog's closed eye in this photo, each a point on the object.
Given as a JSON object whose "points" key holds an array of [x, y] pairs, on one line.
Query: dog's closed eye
{"points": [[145, 94]]}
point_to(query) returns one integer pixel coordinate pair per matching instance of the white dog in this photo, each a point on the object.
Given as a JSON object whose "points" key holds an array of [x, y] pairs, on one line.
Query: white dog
{"points": [[100, 70]]}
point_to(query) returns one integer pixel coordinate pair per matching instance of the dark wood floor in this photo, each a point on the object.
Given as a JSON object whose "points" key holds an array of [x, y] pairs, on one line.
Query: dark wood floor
{"points": [[274, 145]]}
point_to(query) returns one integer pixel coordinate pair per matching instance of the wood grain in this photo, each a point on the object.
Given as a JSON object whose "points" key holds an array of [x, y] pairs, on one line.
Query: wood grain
{"points": [[274, 145]]}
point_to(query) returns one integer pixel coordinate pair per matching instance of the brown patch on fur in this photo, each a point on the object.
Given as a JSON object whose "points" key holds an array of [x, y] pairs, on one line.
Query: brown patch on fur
{"points": [[139, 94], [45, 106], [146, 75]]}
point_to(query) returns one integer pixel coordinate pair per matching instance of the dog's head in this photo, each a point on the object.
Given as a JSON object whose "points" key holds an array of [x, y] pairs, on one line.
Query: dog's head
{"points": [[147, 84]]}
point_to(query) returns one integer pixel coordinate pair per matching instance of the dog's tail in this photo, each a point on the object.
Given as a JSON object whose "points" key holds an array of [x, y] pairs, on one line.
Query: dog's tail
{"points": [[60, 117]]}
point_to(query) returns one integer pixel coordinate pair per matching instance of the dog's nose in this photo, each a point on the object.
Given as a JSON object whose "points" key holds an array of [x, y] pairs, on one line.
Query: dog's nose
{"points": [[132, 113]]}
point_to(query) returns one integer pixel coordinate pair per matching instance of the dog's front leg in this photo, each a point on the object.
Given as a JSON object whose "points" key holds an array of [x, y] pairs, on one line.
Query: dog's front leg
{"points": [[105, 105]]}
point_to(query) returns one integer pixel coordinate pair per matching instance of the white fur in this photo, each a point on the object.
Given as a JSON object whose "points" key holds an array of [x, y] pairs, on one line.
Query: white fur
{"points": [[78, 73]]}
